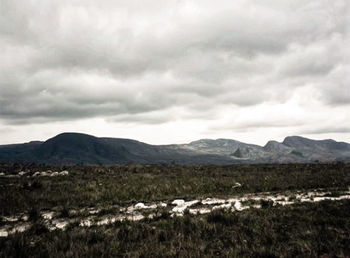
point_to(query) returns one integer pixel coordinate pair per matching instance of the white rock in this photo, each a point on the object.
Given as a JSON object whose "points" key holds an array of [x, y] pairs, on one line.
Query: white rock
{"points": [[238, 206], [179, 209], [222, 206], [48, 215], [190, 203], [178, 202], [60, 224], [236, 185], [211, 201], [11, 219], [20, 228], [86, 223], [163, 204], [64, 173], [152, 206], [94, 210], [25, 217], [181, 205], [22, 173], [4, 232], [140, 205]]}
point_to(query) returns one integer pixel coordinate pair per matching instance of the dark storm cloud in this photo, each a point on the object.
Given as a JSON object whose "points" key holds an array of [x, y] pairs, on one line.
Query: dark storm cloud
{"points": [[134, 61]]}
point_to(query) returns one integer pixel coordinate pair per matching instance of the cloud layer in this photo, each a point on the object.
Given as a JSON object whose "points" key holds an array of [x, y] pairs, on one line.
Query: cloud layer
{"points": [[228, 66]]}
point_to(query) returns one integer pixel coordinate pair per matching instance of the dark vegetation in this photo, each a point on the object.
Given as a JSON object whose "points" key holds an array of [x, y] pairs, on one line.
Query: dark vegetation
{"points": [[100, 186], [305, 229]]}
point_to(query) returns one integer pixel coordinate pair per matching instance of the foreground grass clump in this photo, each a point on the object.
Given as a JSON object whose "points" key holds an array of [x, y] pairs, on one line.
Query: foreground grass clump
{"points": [[312, 229], [100, 186]]}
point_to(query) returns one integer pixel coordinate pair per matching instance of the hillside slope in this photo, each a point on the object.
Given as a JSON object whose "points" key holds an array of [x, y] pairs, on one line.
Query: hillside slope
{"points": [[76, 148]]}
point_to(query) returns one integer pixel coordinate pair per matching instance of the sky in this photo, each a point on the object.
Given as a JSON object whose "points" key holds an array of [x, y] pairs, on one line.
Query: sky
{"points": [[175, 71]]}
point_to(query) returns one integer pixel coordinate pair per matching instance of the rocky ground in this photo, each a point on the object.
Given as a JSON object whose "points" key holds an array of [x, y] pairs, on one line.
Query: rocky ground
{"points": [[198, 211], [97, 216]]}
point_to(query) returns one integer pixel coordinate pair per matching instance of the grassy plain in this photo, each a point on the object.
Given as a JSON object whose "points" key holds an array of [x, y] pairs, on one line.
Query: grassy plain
{"points": [[303, 229]]}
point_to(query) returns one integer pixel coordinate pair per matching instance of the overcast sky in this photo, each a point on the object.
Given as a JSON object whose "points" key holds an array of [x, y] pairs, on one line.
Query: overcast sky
{"points": [[175, 71]]}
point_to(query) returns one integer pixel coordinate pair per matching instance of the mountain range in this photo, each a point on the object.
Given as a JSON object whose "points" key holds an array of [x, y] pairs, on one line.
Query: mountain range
{"points": [[83, 149]]}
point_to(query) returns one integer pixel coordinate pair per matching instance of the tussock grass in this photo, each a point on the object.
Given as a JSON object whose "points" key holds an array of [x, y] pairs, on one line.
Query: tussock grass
{"points": [[103, 186], [303, 229], [308, 229]]}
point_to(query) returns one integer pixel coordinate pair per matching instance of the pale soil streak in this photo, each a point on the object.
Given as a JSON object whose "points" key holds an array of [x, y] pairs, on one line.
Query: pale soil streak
{"points": [[178, 207]]}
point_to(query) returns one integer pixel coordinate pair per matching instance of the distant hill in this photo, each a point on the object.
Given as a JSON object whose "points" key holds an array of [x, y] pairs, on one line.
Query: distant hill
{"points": [[76, 148]]}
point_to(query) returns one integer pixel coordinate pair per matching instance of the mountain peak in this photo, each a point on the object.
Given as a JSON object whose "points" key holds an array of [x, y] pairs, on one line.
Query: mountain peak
{"points": [[72, 134], [71, 138], [296, 140]]}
